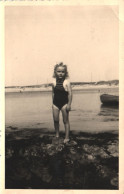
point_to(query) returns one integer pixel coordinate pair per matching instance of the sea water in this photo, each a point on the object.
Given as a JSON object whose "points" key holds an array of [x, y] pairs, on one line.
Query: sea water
{"points": [[34, 110]]}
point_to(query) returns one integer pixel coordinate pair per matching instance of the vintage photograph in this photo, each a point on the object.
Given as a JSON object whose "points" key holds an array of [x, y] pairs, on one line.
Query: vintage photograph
{"points": [[62, 97]]}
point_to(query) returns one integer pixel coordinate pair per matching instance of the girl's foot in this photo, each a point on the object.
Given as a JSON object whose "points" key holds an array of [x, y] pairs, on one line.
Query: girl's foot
{"points": [[66, 140], [55, 140]]}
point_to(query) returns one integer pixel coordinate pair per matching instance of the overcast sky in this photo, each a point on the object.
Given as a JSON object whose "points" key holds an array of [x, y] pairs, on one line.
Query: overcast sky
{"points": [[83, 37]]}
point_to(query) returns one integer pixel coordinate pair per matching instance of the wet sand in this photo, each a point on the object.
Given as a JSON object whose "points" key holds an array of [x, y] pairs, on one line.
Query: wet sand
{"points": [[35, 159]]}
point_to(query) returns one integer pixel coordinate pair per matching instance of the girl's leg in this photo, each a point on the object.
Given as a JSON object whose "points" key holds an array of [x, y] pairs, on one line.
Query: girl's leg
{"points": [[65, 115], [56, 119]]}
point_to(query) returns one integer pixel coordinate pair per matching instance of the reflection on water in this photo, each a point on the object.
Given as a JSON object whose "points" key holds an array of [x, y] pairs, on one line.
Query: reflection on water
{"points": [[111, 106], [109, 113]]}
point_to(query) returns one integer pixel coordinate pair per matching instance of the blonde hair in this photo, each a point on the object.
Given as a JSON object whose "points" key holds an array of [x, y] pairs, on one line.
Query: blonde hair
{"points": [[60, 65]]}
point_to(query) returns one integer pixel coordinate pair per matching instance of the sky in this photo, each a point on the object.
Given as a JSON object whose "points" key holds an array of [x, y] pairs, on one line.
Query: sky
{"points": [[85, 38]]}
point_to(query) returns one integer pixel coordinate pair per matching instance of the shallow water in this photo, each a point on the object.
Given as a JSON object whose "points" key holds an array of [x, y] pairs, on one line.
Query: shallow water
{"points": [[33, 109]]}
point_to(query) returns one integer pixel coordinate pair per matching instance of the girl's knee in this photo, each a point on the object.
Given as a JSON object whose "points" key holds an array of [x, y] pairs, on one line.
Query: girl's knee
{"points": [[65, 121], [56, 121]]}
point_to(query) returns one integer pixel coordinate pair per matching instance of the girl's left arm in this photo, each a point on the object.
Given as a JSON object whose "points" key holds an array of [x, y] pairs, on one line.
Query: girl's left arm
{"points": [[52, 91], [69, 96]]}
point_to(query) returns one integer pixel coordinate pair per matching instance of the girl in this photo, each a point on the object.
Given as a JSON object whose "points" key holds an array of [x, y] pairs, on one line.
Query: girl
{"points": [[62, 98]]}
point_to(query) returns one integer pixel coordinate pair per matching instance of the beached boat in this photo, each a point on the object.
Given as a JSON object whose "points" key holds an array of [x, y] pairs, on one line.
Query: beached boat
{"points": [[109, 99]]}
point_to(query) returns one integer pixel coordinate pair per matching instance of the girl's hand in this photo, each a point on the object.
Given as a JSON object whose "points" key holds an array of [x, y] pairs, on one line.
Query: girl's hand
{"points": [[68, 107]]}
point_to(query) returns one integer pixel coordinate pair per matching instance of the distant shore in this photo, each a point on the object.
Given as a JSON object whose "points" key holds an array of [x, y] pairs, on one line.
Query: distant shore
{"points": [[20, 89]]}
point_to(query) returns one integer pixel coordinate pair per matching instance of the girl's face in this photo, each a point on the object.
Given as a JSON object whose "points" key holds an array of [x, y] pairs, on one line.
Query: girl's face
{"points": [[60, 72]]}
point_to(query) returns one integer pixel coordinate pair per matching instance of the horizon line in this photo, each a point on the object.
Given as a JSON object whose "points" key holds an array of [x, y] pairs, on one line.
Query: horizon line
{"points": [[71, 82]]}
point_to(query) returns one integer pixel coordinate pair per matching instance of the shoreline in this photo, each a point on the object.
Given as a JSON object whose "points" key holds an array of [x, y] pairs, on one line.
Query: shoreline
{"points": [[48, 89]]}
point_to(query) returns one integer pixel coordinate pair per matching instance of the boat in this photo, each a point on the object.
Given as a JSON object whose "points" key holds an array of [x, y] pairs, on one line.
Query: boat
{"points": [[108, 99]]}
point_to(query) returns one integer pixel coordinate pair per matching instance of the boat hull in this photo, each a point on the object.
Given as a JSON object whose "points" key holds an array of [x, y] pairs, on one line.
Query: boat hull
{"points": [[109, 99]]}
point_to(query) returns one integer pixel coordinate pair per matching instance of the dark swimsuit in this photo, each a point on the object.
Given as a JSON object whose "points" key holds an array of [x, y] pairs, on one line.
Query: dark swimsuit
{"points": [[60, 95]]}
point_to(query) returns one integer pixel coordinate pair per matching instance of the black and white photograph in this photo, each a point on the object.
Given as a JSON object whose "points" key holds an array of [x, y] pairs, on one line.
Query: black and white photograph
{"points": [[62, 97]]}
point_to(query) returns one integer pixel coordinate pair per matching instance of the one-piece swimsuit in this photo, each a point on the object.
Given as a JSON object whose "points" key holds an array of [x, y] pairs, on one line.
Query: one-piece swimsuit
{"points": [[60, 95]]}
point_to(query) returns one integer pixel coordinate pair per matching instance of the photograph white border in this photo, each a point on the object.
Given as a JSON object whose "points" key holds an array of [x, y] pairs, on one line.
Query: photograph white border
{"points": [[120, 3]]}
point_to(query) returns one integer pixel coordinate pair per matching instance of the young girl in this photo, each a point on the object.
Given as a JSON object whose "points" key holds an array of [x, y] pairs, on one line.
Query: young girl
{"points": [[62, 98]]}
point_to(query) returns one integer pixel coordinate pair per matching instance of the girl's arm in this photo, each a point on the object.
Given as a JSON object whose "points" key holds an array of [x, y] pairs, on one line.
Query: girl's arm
{"points": [[69, 96], [52, 91]]}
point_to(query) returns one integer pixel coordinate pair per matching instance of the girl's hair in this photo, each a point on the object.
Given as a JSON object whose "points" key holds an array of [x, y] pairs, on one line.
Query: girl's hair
{"points": [[60, 65]]}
